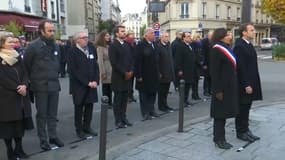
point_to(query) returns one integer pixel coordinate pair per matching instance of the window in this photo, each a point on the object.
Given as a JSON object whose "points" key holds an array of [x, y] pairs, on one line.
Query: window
{"points": [[27, 6], [238, 14], [62, 9], [184, 10], [52, 10], [217, 11], [204, 10], [229, 12]]}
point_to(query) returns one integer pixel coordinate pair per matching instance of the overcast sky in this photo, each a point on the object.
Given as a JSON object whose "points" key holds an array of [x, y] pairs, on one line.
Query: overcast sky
{"points": [[131, 6]]}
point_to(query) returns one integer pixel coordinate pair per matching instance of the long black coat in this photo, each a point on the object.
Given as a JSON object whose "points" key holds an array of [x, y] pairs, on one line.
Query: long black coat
{"points": [[166, 66], [83, 69], [13, 104], [206, 48], [248, 74], [147, 67], [224, 79], [122, 61], [185, 61]]}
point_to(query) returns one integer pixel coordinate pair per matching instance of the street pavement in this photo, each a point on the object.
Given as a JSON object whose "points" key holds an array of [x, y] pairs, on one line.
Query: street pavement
{"points": [[143, 132]]}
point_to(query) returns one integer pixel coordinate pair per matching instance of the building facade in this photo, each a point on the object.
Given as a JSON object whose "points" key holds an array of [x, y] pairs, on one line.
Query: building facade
{"points": [[110, 10], [203, 16], [133, 22]]}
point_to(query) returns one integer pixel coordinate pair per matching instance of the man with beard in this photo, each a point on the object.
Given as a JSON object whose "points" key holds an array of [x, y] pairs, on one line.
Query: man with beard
{"points": [[42, 63]]}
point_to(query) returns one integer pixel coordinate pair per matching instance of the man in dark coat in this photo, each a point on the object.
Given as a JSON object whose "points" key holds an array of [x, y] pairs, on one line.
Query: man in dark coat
{"points": [[166, 70], [174, 44], [147, 74], [84, 70], [184, 64], [63, 57], [249, 80], [122, 62], [206, 46], [42, 63]]}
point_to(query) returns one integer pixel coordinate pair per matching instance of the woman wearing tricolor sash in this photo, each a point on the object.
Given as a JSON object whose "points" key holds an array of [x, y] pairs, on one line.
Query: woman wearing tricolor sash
{"points": [[223, 71]]}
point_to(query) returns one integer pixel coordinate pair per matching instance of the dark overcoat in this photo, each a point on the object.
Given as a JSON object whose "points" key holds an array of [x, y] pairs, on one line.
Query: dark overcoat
{"points": [[13, 106], [122, 61], [147, 67], [248, 74], [166, 66], [83, 69], [185, 61], [224, 79]]}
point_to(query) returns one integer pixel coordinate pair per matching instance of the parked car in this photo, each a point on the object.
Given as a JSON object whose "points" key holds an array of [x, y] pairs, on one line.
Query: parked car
{"points": [[268, 43]]}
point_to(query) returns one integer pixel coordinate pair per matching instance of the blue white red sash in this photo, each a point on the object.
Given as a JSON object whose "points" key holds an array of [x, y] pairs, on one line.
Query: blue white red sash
{"points": [[228, 53]]}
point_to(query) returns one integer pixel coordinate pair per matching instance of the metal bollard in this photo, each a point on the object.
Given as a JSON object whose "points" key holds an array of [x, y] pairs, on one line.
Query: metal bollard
{"points": [[181, 105], [103, 127]]}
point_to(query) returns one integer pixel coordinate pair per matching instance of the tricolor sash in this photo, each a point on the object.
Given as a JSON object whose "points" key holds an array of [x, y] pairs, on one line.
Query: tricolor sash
{"points": [[228, 53]]}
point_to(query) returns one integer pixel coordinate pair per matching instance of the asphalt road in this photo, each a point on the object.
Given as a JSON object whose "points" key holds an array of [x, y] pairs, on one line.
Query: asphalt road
{"points": [[273, 82]]}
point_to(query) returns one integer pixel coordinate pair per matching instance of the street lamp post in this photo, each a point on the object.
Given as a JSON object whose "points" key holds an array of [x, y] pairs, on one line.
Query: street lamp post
{"points": [[246, 11]]}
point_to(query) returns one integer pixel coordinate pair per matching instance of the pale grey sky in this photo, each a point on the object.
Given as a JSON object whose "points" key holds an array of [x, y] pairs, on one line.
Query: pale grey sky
{"points": [[131, 6]]}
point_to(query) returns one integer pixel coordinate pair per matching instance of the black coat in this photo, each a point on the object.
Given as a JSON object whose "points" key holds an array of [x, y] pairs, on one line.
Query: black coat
{"points": [[166, 66], [174, 45], [13, 106], [224, 79], [197, 49], [147, 67], [122, 61], [185, 61], [83, 69], [42, 61], [206, 48], [248, 74]]}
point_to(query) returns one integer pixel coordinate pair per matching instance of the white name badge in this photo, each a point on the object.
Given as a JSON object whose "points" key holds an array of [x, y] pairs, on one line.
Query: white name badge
{"points": [[55, 53], [91, 56]]}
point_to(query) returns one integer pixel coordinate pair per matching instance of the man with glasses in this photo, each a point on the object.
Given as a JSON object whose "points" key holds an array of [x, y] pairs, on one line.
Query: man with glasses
{"points": [[42, 64]]}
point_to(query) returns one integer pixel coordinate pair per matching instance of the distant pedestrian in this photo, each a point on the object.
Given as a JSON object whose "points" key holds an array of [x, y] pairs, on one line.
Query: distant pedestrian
{"points": [[166, 70], [15, 106], [63, 57], [42, 63], [147, 74], [102, 43], [122, 62], [249, 80], [223, 71], [184, 64], [84, 70]]}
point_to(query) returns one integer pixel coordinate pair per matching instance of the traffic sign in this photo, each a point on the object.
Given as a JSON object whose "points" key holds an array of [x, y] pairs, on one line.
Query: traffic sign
{"points": [[156, 26]]}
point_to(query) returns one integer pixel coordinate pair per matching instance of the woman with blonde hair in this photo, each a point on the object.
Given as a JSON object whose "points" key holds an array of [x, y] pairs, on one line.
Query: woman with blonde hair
{"points": [[15, 110], [102, 44]]}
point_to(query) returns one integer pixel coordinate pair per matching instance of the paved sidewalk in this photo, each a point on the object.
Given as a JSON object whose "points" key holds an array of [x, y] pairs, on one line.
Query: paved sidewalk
{"points": [[196, 143]]}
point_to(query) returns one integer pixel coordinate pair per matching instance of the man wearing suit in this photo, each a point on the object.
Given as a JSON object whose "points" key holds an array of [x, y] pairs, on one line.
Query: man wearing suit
{"points": [[84, 70], [174, 44], [122, 63], [42, 64], [184, 64], [249, 80], [147, 74]]}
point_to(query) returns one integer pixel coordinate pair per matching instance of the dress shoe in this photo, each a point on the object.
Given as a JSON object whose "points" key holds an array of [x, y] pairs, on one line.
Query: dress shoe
{"points": [[146, 117], [154, 114], [196, 98], [127, 122], [249, 133], [120, 125], [19, 153], [245, 137], [164, 109], [207, 94], [90, 131], [56, 141], [223, 145], [169, 109], [45, 146], [80, 134], [189, 103]]}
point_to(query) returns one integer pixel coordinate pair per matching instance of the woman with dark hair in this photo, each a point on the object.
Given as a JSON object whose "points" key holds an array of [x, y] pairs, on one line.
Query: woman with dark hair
{"points": [[105, 67], [223, 71], [15, 107]]}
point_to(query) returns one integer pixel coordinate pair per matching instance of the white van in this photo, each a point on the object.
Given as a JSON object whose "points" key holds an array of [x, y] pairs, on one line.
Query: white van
{"points": [[268, 43]]}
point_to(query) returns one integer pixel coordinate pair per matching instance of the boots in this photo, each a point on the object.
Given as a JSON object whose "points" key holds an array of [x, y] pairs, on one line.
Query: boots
{"points": [[10, 153], [19, 152]]}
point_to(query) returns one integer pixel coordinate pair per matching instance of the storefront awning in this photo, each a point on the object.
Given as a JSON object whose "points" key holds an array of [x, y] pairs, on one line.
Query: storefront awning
{"points": [[29, 24]]}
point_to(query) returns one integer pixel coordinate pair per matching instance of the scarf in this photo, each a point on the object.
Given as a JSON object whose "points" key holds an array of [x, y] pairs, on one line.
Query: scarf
{"points": [[9, 56], [228, 53]]}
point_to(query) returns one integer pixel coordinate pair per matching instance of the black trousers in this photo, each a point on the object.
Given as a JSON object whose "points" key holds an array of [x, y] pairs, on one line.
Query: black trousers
{"points": [[187, 91], [162, 95], [219, 129], [107, 91], [83, 116], [120, 105], [242, 118], [147, 101], [131, 91], [62, 68], [195, 87], [207, 84]]}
